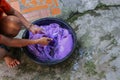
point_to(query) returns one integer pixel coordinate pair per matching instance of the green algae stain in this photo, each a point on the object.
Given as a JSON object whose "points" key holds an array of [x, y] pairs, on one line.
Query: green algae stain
{"points": [[36, 78], [114, 68], [90, 68], [102, 7], [109, 37], [7, 78], [112, 58], [101, 74], [106, 37], [86, 40], [75, 15]]}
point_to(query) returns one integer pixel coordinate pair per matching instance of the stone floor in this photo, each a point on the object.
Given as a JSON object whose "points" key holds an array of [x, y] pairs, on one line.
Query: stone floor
{"points": [[96, 57]]}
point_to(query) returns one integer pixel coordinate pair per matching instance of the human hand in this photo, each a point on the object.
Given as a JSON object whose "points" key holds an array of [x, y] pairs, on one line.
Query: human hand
{"points": [[44, 41], [35, 29]]}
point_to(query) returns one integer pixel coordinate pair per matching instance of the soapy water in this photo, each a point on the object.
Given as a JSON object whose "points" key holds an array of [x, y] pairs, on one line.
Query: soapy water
{"points": [[57, 49]]}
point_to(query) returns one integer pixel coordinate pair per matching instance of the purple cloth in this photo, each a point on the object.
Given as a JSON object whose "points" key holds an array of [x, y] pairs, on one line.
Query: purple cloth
{"points": [[58, 48]]}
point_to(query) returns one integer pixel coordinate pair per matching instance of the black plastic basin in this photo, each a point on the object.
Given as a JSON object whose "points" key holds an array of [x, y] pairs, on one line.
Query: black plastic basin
{"points": [[47, 21]]}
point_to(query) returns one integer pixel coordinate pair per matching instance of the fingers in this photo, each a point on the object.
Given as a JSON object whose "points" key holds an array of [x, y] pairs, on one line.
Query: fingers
{"points": [[41, 30], [49, 39], [37, 30]]}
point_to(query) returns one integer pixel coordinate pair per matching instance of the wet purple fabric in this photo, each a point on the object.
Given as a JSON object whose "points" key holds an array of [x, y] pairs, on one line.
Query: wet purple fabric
{"points": [[57, 49]]}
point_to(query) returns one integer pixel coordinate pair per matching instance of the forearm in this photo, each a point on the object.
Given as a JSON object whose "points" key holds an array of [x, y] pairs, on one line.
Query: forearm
{"points": [[33, 28], [20, 42], [22, 18], [17, 42]]}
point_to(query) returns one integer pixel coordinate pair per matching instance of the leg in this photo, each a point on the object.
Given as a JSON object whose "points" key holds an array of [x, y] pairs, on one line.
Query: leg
{"points": [[10, 26], [9, 60]]}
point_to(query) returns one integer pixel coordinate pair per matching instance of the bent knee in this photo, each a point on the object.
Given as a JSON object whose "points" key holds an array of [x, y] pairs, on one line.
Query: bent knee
{"points": [[11, 25], [11, 18]]}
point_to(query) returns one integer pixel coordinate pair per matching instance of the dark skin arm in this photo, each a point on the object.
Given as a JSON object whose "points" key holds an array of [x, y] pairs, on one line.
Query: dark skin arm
{"points": [[13, 42], [26, 23]]}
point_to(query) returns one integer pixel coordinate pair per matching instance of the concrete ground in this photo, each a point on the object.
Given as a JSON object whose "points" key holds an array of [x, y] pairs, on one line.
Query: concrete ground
{"points": [[96, 57]]}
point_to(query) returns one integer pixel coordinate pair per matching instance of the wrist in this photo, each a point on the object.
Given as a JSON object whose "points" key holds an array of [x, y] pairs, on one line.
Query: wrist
{"points": [[29, 26], [37, 41]]}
